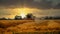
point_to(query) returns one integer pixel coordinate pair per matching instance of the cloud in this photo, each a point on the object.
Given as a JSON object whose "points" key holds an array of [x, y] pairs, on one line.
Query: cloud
{"points": [[11, 3], [8, 11], [41, 4], [47, 12]]}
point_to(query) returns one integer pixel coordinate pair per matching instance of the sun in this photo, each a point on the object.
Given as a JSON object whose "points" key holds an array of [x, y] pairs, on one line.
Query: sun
{"points": [[23, 15], [24, 12]]}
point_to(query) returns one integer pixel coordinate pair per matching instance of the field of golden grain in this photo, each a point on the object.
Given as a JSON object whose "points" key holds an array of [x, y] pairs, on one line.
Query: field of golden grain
{"points": [[27, 26]]}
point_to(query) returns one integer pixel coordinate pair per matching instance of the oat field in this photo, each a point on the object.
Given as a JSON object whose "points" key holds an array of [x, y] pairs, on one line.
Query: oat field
{"points": [[29, 27]]}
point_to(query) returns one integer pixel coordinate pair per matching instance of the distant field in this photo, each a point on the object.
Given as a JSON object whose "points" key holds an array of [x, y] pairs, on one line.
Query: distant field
{"points": [[19, 26]]}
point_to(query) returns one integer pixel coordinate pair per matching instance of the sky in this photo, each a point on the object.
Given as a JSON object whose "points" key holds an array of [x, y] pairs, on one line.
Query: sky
{"points": [[10, 8]]}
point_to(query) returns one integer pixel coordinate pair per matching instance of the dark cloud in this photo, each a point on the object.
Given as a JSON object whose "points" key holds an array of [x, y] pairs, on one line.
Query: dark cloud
{"points": [[11, 3], [44, 4], [41, 4]]}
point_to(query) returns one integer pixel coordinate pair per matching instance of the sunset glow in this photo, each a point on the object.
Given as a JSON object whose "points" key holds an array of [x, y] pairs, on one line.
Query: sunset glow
{"points": [[18, 11], [25, 11]]}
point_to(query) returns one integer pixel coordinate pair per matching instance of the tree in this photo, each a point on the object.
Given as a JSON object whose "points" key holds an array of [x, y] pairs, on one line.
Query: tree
{"points": [[3, 18], [29, 15], [18, 17]]}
